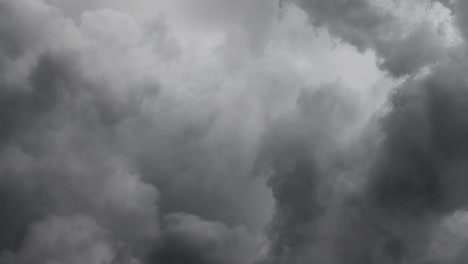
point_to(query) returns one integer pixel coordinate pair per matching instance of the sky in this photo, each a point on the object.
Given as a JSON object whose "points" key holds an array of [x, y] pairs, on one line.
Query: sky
{"points": [[233, 131]]}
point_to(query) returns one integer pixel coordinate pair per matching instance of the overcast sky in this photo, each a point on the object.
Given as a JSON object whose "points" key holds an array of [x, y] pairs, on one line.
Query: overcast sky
{"points": [[233, 131]]}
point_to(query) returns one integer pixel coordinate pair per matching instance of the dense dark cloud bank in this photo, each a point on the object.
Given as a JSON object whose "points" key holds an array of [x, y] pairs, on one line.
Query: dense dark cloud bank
{"points": [[233, 132]]}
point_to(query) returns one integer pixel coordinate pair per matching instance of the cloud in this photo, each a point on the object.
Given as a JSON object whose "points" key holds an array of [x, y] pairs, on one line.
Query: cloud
{"points": [[449, 239], [58, 166], [314, 159], [70, 239], [187, 238], [231, 132], [385, 28]]}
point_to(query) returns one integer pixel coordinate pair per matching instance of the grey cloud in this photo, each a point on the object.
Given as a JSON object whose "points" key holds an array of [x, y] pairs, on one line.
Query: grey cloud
{"points": [[70, 239], [187, 238], [72, 145], [107, 155], [417, 177], [414, 178], [425, 137], [411, 173], [59, 167], [53, 128], [309, 160], [247, 23], [358, 22], [422, 47], [458, 9], [368, 25]]}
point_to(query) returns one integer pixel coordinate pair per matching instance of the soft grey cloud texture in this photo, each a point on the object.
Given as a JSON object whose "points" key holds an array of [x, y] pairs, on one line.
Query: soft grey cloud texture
{"points": [[233, 132]]}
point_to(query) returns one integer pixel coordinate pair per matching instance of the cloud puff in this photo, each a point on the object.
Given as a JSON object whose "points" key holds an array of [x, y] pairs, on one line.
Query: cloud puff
{"points": [[69, 239], [187, 238], [385, 28]]}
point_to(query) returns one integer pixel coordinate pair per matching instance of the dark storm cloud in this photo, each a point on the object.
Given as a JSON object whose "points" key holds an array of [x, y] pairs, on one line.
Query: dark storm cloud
{"points": [[43, 176], [189, 239], [309, 162], [21, 109], [414, 174], [17, 36], [402, 48], [418, 176], [73, 239], [74, 150], [35, 171], [414, 177], [358, 22], [426, 138], [116, 147]]}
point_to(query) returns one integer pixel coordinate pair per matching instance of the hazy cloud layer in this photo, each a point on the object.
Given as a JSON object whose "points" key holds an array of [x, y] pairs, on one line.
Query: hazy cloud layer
{"points": [[233, 132]]}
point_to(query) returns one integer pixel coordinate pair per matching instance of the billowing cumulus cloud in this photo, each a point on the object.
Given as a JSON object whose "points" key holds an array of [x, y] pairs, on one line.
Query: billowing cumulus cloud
{"points": [[233, 132], [71, 239], [187, 238], [404, 40]]}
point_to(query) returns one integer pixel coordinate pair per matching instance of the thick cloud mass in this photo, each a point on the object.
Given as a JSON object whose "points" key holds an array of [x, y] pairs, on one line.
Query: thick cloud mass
{"points": [[403, 45], [233, 132]]}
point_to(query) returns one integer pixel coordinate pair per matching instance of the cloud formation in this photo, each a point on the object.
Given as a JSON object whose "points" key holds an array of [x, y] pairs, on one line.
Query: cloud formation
{"points": [[403, 44], [233, 132]]}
